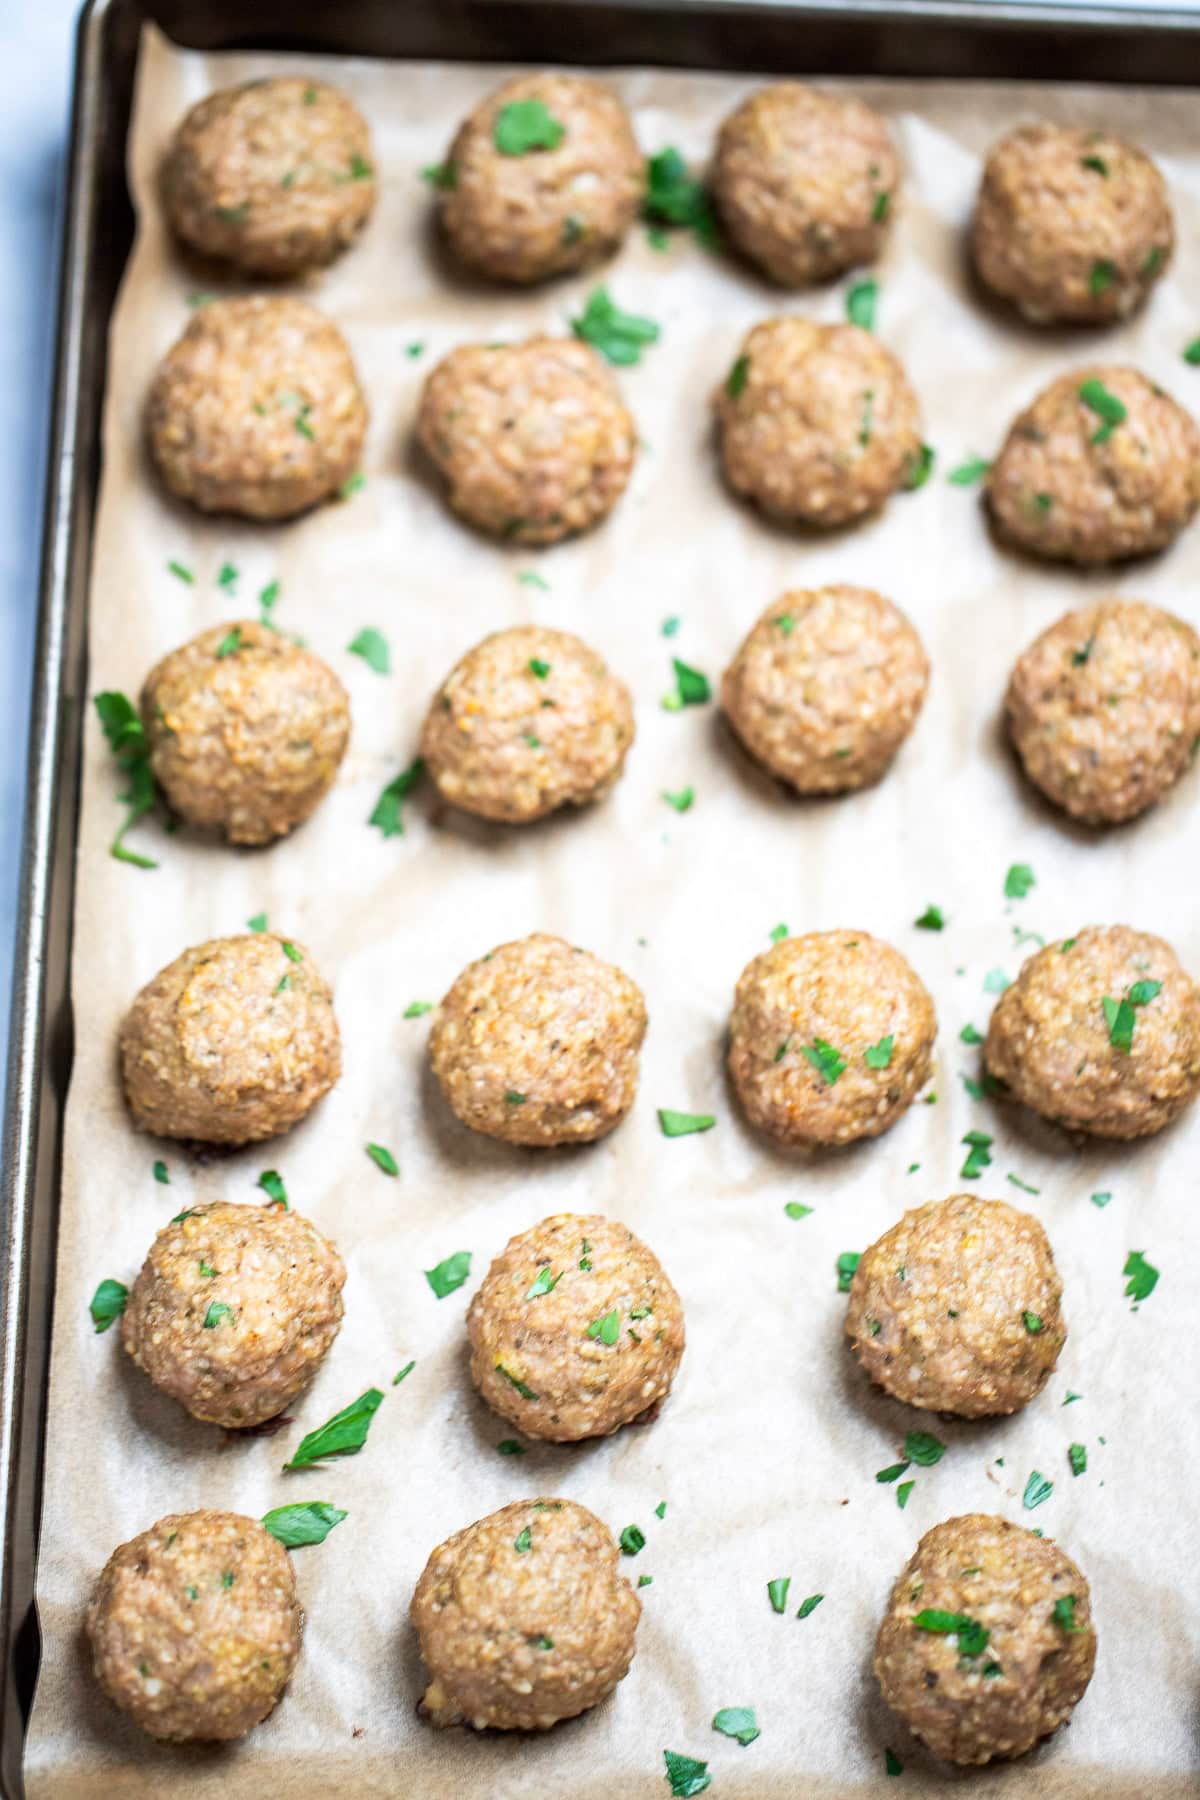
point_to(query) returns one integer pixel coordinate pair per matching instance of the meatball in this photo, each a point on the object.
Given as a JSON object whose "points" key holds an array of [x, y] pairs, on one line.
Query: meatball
{"points": [[537, 1043], [528, 721], [234, 1310], [275, 176], [830, 1038], [827, 687], [818, 423], [524, 1618], [543, 177], [257, 409], [1071, 224], [1104, 708], [1101, 1033], [804, 182], [575, 1330], [533, 440], [245, 730], [232, 1042], [1101, 467], [1021, 1657], [958, 1308], [195, 1626]]}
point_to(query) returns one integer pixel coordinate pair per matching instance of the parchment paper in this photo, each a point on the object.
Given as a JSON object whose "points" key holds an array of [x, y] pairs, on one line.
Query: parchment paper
{"points": [[767, 1450]]}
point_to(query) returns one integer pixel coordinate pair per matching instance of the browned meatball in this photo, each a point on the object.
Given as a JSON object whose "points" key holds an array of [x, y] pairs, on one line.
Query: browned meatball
{"points": [[1021, 1658], [575, 1330], [246, 731], [827, 687], [537, 1043], [275, 175], [195, 1626], [1101, 467], [257, 409], [818, 422], [958, 1308], [1104, 708], [1101, 1033], [232, 1042], [804, 182], [528, 721], [543, 177], [524, 1618], [1071, 224]]}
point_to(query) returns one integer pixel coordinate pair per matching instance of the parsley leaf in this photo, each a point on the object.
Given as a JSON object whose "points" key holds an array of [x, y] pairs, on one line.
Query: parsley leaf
{"points": [[401, 1374], [160, 1173], [796, 1209], [1192, 353], [923, 1448], [216, 1315], [388, 815], [631, 1540], [978, 1155], [383, 1159], [608, 1328], [809, 1606], [932, 919], [847, 1262], [1143, 1277], [1077, 1457], [182, 573], [681, 801], [969, 472], [126, 736], [1038, 1488], [416, 1009], [969, 1035], [449, 1274], [1110, 410], [686, 1775], [919, 468], [972, 1636], [372, 646], [343, 1435], [523, 1542], [1033, 1323], [777, 1592], [1103, 274], [525, 125], [515, 1381], [828, 1062], [1018, 881], [681, 1124], [544, 1282], [618, 336], [860, 303], [892, 1473], [672, 197], [230, 644], [736, 379], [737, 1722], [691, 687], [878, 1056], [443, 176], [271, 1183], [308, 1522], [1063, 1613], [902, 1493], [258, 922], [108, 1303]]}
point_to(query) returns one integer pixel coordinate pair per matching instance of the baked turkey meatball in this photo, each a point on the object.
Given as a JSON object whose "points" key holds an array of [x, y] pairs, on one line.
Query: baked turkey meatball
{"points": [[830, 1038], [537, 1043], [1104, 708], [528, 721], [234, 1310], [524, 1618], [1101, 1033], [1101, 467], [827, 687], [804, 182], [195, 1626], [275, 175], [1021, 1657], [1071, 224], [575, 1330], [544, 177], [958, 1308], [257, 409], [818, 423], [246, 731], [533, 440], [232, 1042]]}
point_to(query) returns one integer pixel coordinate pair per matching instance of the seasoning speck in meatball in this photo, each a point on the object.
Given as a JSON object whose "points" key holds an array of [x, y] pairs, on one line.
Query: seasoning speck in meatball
{"points": [[805, 182], [232, 1042], [1071, 224], [195, 1626], [1101, 1033], [831, 1037], [1101, 467], [987, 1644], [537, 1043], [827, 687], [257, 409], [524, 1618], [275, 176]]}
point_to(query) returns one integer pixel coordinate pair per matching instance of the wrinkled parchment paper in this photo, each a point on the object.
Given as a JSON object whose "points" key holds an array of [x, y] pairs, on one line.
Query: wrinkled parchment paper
{"points": [[767, 1450]]}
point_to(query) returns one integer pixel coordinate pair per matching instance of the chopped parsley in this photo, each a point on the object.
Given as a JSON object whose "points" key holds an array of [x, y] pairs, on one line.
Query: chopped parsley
{"points": [[402, 1374], [1038, 1488], [778, 933], [607, 1328], [828, 1062], [1120, 1016], [308, 1522], [969, 1035], [1033, 1323], [1096, 163], [443, 176], [1143, 1277], [523, 1542], [372, 646], [1018, 881], [919, 468], [619, 336], [660, 1511], [777, 1592], [525, 125], [182, 573], [631, 1540], [672, 197], [1025, 1186], [1101, 1200], [902, 1493], [971, 1635], [515, 1381], [388, 815], [352, 484], [343, 1435], [108, 1303], [537, 667], [1110, 410], [271, 1183], [892, 1473], [891, 1763], [878, 1056], [691, 688], [978, 1155], [216, 1315], [809, 1606], [924, 1449], [1192, 353], [258, 922], [416, 1009], [737, 1722], [969, 472], [1077, 1457], [932, 919], [227, 577], [796, 1209], [846, 1264], [512, 1098], [995, 981], [510, 1447], [861, 301], [879, 206], [161, 1175], [686, 1775], [127, 740], [1102, 276], [449, 1274], [682, 801], [1063, 1613], [681, 1124], [544, 1283], [383, 1159], [230, 644]]}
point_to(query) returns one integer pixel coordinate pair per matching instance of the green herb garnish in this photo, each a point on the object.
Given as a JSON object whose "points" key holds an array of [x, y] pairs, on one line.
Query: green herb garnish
{"points": [[388, 815], [777, 1592], [343, 1435], [383, 1159], [681, 1124], [108, 1303], [127, 740], [1143, 1277], [737, 1722], [372, 646], [860, 303], [308, 1522], [828, 1062], [619, 336], [449, 1274], [525, 125]]}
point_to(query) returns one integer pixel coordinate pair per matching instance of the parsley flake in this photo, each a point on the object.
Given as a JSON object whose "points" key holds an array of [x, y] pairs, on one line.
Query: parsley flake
{"points": [[544, 1282], [796, 1209], [969, 472], [388, 815], [271, 1183], [672, 197], [861, 301], [777, 1592], [1143, 1277], [682, 801], [1038, 1488], [217, 1313], [1018, 881], [878, 1056], [737, 1722], [846, 1264], [449, 1274], [1063, 1613], [122, 726], [809, 1605], [924, 1449], [1077, 1457], [372, 646], [383, 1159], [828, 1062], [691, 688], [619, 336], [608, 1328], [932, 919], [108, 1303], [343, 1435], [1110, 410], [1033, 1323], [523, 1542], [416, 1009], [971, 1635], [160, 1173], [681, 1124], [978, 1155], [525, 125], [515, 1381], [308, 1522], [631, 1540], [686, 1775]]}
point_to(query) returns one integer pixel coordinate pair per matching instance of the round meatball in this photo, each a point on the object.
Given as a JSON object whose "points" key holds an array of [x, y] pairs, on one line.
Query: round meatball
{"points": [[827, 687], [1101, 467], [257, 409], [1101, 1033], [1023, 1653], [234, 1310], [575, 1330], [528, 721], [830, 1038], [1104, 708], [246, 731], [818, 423], [524, 1618], [195, 1626], [1071, 224], [804, 182], [958, 1308], [533, 440], [537, 1043], [275, 175], [543, 177], [232, 1042]]}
